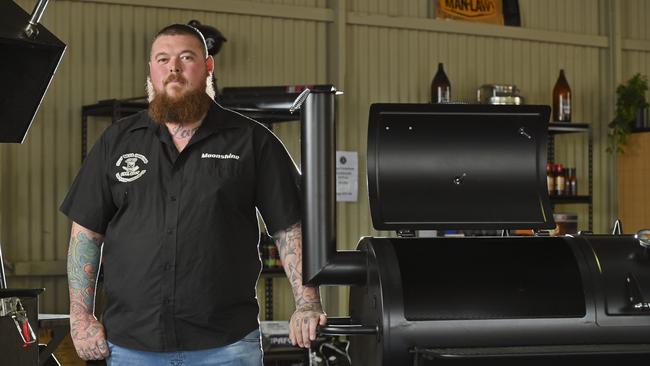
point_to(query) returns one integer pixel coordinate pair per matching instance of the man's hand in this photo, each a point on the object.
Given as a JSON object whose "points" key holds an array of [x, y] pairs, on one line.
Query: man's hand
{"points": [[89, 338], [302, 326]]}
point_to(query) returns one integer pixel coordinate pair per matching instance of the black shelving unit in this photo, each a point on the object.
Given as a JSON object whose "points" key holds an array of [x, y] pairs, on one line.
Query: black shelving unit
{"points": [[268, 274], [557, 128], [113, 108], [570, 199]]}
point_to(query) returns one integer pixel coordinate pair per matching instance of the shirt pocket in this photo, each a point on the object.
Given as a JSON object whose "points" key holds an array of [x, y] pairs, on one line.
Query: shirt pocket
{"points": [[224, 179], [224, 169], [120, 193]]}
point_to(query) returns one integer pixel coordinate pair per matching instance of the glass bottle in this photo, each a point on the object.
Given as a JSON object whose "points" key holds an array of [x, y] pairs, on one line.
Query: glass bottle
{"points": [[440, 87], [559, 180], [562, 99], [550, 178], [567, 181]]}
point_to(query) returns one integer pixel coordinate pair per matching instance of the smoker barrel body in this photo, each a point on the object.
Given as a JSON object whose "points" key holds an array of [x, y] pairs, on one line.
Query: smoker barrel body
{"points": [[452, 298]]}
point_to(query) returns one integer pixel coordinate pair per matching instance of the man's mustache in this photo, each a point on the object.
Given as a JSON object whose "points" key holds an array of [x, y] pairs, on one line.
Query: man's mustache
{"points": [[175, 77]]}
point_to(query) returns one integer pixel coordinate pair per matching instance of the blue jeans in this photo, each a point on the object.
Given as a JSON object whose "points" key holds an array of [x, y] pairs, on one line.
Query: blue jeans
{"points": [[246, 352]]}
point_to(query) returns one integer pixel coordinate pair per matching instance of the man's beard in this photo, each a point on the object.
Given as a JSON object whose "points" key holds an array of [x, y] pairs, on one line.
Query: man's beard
{"points": [[186, 108]]}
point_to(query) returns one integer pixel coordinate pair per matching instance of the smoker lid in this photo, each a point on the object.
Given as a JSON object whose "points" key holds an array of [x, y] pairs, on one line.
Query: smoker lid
{"points": [[27, 69], [452, 166]]}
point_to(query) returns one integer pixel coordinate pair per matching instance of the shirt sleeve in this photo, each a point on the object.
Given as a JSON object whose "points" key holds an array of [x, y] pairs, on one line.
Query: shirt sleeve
{"points": [[278, 194], [89, 201]]}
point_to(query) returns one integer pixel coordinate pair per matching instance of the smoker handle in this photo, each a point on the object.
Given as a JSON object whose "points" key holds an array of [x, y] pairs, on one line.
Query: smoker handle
{"points": [[344, 326]]}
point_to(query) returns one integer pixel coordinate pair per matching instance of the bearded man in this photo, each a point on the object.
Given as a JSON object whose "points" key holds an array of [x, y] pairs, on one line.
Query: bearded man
{"points": [[172, 193]]}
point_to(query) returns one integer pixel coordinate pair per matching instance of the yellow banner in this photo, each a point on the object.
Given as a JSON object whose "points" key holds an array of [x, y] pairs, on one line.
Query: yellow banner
{"points": [[487, 11]]}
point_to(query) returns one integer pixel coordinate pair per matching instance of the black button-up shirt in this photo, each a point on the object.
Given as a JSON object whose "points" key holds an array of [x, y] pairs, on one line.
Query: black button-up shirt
{"points": [[180, 250]]}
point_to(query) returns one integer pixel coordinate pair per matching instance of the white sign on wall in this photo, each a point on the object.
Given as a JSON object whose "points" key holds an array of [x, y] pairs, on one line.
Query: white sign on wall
{"points": [[347, 176]]}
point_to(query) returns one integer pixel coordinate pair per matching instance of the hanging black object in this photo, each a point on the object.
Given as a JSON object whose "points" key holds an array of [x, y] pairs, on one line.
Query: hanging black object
{"points": [[213, 38], [511, 13], [32, 56]]}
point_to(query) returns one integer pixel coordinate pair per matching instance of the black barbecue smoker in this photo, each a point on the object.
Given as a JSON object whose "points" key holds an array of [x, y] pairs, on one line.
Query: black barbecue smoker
{"points": [[477, 300]]}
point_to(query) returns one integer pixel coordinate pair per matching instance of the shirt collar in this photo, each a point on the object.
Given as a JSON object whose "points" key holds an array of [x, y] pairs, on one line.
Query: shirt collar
{"points": [[215, 120], [143, 122], [218, 118]]}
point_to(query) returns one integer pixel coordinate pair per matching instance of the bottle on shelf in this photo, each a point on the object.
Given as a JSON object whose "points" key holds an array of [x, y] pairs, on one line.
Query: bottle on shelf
{"points": [[550, 178], [273, 256], [559, 180], [440, 87], [562, 99], [567, 181], [268, 251]]}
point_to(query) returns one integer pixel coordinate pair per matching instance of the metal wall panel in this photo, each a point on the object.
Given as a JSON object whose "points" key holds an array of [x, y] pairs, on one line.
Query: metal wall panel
{"points": [[577, 16], [306, 3], [636, 14], [636, 62], [411, 8]]}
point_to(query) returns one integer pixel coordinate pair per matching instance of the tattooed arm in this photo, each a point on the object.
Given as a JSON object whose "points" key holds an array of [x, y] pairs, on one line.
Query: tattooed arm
{"points": [[83, 263], [309, 312]]}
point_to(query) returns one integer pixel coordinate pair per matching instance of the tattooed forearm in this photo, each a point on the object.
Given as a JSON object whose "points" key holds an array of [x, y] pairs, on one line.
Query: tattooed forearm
{"points": [[289, 243], [86, 331], [83, 264], [309, 311]]}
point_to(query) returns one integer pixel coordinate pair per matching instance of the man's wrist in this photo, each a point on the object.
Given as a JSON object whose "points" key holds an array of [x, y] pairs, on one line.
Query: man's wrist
{"points": [[82, 315], [310, 306]]}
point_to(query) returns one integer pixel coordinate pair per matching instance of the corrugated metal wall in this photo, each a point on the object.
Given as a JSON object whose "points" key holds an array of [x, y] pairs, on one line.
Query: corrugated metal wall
{"points": [[390, 52], [636, 54]]}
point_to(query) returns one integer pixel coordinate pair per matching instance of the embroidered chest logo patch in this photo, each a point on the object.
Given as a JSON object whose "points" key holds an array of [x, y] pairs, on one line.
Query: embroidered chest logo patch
{"points": [[129, 163]]}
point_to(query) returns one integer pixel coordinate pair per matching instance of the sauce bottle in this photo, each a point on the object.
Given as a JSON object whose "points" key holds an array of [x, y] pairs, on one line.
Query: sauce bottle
{"points": [[550, 178]]}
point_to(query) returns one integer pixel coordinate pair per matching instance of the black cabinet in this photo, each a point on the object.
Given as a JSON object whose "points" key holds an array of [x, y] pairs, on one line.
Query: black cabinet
{"points": [[113, 108]]}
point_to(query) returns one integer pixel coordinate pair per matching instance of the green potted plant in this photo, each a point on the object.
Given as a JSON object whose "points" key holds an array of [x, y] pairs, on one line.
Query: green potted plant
{"points": [[630, 99]]}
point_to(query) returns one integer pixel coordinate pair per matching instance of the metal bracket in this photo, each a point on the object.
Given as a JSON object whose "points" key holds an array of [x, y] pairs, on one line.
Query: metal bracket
{"points": [[31, 31]]}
